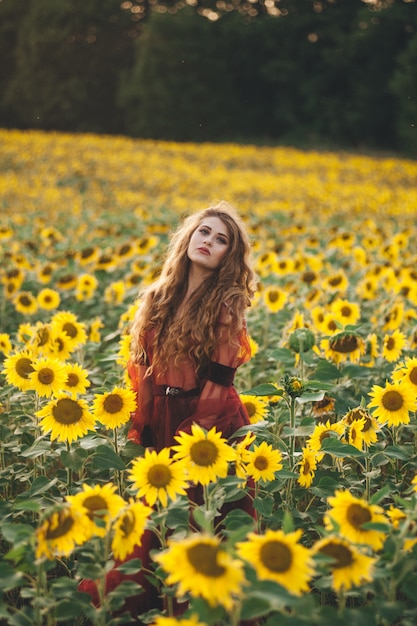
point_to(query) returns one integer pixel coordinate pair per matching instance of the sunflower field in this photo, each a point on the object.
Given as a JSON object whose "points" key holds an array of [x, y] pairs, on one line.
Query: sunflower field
{"points": [[329, 460]]}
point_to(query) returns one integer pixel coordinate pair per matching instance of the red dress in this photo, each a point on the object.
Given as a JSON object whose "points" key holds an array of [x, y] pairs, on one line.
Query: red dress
{"points": [[170, 402]]}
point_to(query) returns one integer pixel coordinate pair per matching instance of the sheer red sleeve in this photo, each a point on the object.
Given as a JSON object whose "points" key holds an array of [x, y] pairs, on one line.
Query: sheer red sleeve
{"points": [[214, 406], [141, 418]]}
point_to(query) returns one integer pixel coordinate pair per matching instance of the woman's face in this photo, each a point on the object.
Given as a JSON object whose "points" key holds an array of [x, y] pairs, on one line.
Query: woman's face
{"points": [[209, 243]]}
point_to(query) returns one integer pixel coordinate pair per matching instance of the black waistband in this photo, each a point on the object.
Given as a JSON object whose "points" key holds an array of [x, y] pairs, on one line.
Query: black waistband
{"points": [[167, 390]]}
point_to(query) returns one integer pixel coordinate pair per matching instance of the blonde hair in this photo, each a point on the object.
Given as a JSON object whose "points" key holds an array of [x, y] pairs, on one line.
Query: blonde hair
{"points": [[191, 334]]}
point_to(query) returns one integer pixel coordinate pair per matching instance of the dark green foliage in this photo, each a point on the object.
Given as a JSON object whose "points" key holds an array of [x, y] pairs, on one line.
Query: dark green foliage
{"points": [[333, 74]]}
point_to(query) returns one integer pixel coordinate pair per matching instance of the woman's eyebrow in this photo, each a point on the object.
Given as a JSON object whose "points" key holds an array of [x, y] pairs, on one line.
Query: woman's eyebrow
{"points": [[210, 228]]}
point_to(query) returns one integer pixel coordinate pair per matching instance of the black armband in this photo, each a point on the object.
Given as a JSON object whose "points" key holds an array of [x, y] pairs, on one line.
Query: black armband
{"points": [[220, 374]]}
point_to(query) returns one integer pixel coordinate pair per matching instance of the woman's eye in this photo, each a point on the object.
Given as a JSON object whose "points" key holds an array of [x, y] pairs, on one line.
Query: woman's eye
{"points": [[221, 240]]}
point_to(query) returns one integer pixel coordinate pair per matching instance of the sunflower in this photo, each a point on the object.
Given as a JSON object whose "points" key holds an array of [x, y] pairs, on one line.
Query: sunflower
{"points": [[393, 345], [279, 557], [17, 368], [86, 287], [115, 292], [45, 273], [348, 566], [254, 346], [321, 432], [323, 408], [112, 409], [335, 283], [392, 403], [66, 322], [77, 379], [156, 476], [407, 373], [59, 533], [243, 455], [206, 454], [128, 528], [40, 339], [202, 568], [257, 409], [48, 299], [274, 298], [67, 281], [94, 330], [308, 465], [48, 376], [61, 346], [100, 505], [145, 244], [263, 462], [370, 425], [125, 251], [193, 620], [123, 354], [352, 515], [87, 255], [5, 343], [342, 346], [355, 433], [396, 516], [26, 303], [393, 319], [66, 418], [346, 312]]}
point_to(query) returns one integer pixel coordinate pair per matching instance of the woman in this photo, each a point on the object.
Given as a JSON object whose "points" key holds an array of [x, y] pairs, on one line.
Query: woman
{"points": [[189, 333], [188, 337]]}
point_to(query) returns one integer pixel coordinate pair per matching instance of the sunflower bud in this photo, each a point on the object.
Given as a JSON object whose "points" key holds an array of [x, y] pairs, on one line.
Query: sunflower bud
{"points": [[293, 386], [301, 340]]}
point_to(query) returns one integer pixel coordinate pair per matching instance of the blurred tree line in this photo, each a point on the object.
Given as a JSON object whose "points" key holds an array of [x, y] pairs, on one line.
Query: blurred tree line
{"points": [[331, 73]]}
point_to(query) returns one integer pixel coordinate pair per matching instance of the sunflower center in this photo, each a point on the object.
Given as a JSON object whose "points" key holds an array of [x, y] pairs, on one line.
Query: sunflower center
{"points": [[63, 526], [335, 281], [25, 300], [276, 556], [341, 554], [204, 453], [96, 506], [24, 367], [308, 277], [203, 558], [67, 411], [72, 380], [251, 408], [392, 400], [345, 344], [357, 515], [413, 376], [273, 296], [261, 463], [42, 337], [306, 468], [127, 524], [113, 403], [390, 344], [70, 329], [159, 475], [46, 375], [332, 325], [346, 311]]}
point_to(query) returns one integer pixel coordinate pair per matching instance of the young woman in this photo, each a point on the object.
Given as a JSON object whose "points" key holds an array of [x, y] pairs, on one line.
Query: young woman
{"points": [[189, 334], [188, 337]]}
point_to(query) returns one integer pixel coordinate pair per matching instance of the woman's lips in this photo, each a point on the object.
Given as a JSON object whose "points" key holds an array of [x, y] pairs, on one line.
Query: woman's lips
{"points": [[204, 251]]}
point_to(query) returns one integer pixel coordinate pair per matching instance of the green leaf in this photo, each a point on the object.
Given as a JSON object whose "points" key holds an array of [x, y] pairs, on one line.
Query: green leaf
{"points": [[74, 459], [264, 505], [40, 446], [404, 453], [133, 566], [310, 397], [105, 457], [9, 577], [338, 448], [41, 484], [266, 389], [381, 494], [326, 371]]}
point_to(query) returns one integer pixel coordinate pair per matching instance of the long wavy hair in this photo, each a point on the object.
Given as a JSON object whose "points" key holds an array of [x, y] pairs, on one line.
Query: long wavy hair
{"points": [[192, 333]]}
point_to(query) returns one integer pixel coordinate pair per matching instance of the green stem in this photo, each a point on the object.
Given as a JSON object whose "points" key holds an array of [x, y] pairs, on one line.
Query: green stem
{"points": [[69, 470], [117, 472]]}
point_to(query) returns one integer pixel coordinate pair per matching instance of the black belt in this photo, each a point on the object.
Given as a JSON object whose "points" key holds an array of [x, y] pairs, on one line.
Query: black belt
{"points": [[167, 390]]}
